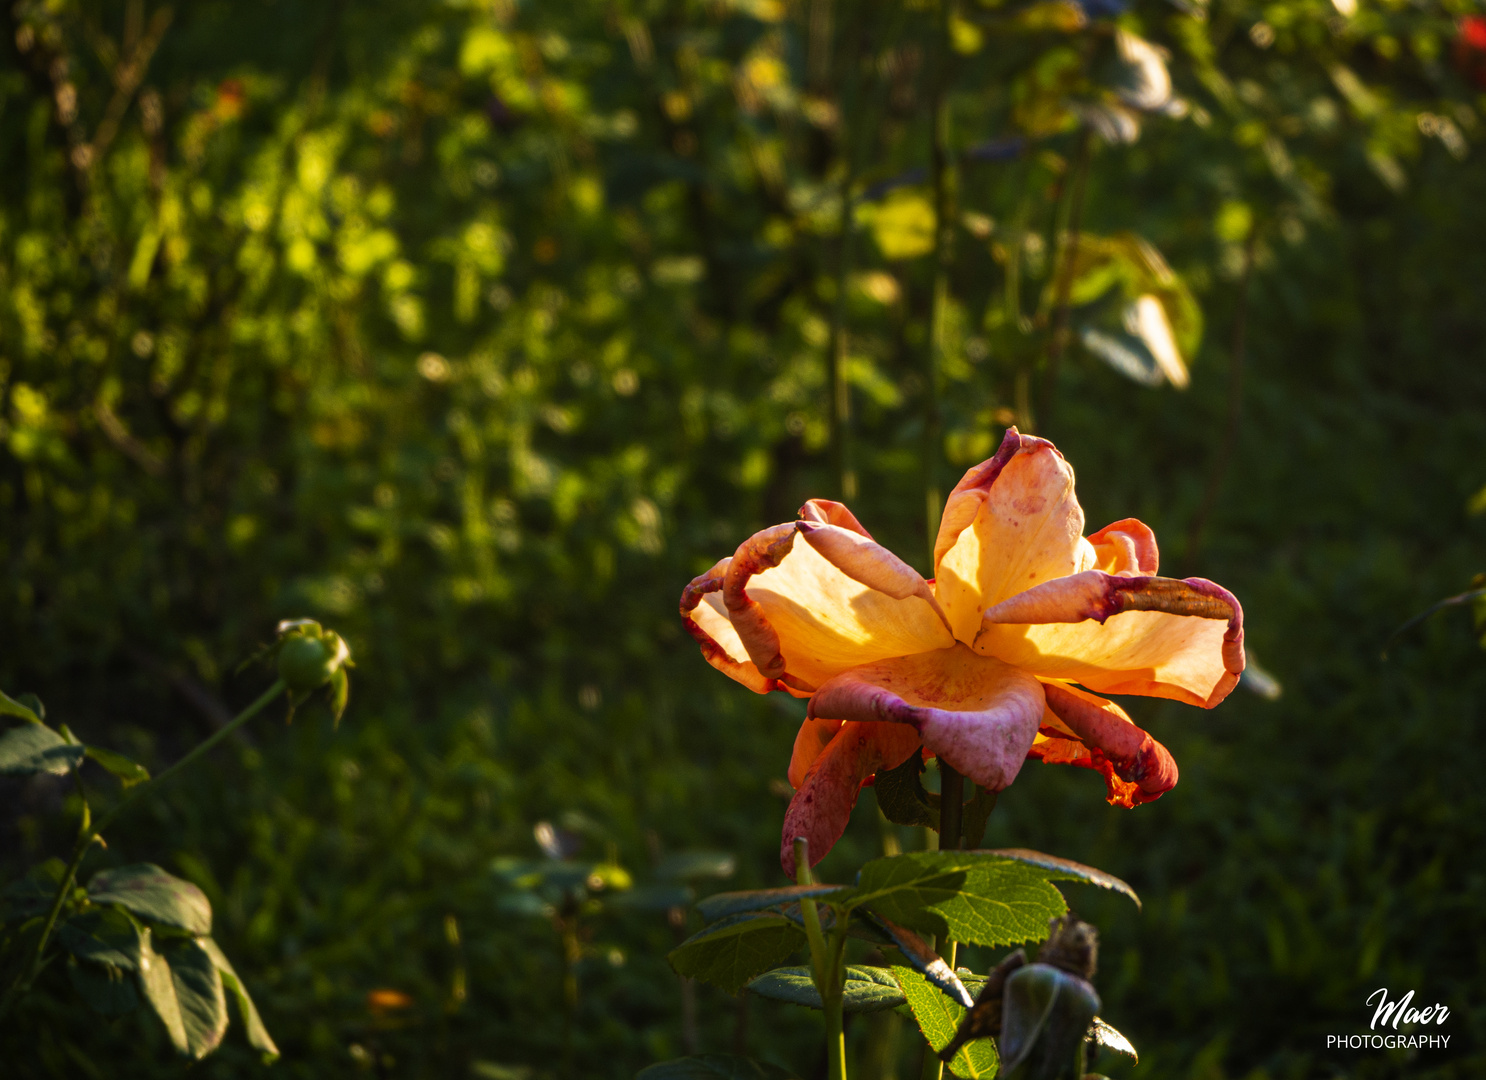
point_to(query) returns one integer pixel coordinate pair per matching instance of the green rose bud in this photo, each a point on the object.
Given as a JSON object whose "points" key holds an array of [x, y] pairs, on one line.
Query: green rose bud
{"points": [[309, 657]]}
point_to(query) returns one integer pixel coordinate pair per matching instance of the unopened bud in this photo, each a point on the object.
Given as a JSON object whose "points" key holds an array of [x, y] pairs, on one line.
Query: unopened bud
{"points": [[310, 656]]}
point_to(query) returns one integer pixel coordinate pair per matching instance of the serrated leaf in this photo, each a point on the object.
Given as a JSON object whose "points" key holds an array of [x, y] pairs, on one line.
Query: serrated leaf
{"points": [[202, 998], [691, 865], [1107, 1037], [926, 961], [151, 893], [730, 952], [104, 935], [34, 893], [866, 989], [981, 898], [158, 985], [128, 772], [36, 748], [1060, 869], [108, 990], [247, 1012], [9, 706], [721, 905], [713, 1067], [939, 1018], [902, 797]]}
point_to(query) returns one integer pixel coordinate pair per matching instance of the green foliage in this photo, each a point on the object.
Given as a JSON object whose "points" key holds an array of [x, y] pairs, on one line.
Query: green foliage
{"points": [[938, 1019], [737, 948], [152, 894], [866, 989], [37, 748]]}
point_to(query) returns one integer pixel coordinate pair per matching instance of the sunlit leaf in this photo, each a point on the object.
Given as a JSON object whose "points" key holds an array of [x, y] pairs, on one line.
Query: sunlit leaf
{"points": [[151, 893], [36, 748], [938, 1018], [128, 772], [247, 1013]]}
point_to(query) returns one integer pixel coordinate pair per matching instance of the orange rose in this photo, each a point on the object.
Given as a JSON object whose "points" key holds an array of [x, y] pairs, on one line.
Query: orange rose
{"points": [[978, 666]]}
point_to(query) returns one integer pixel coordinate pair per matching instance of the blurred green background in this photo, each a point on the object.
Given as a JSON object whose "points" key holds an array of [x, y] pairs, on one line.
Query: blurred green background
{"points": [[475, 328]]}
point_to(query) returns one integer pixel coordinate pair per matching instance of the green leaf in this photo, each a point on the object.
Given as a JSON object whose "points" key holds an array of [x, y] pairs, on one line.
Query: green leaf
{"points": [[107, 989], [867, 989], [713, 1067], [1046, 1016], [104, 935], [976, 813], [203, 1000], [158, 985], [980, 898], [691, 865], [34, 893], [153, 894], [1058, 869], [720, 905], [939, 1018], [128, 772], [247, 1012], [729, 953], [926, 961], [36, 748], [9, 706], [902, 797]]}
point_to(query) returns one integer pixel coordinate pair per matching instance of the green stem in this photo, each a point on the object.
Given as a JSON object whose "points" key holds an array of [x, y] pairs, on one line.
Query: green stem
{"points": [[951, 817], [88, 834], [825, 964]]}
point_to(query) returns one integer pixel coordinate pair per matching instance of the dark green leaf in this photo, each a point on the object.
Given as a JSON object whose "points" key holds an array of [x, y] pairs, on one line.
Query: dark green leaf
{"points": [[691, 865], [729, 953], [34, 893], [247, 1012], [1046, 1015], [203, 1001], [153, 894], [108, 990], [720, 905], [104, 935], [36, 748], [867, 989], [1066, 870], [158, 985], [902, 797], [939, 1018], [713, 1067], [977, 897], [862, 926], [128, 772], [9, 706]]}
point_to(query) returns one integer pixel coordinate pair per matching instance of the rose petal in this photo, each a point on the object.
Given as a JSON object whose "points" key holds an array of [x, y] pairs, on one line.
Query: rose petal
{"points": [[869, 563], [978, 714], [1154, 636], [1125, 547], [801, 619], [814, 736], [1010, 524], [832, 513], [712, 630], [822, 806], [1136, 768]]}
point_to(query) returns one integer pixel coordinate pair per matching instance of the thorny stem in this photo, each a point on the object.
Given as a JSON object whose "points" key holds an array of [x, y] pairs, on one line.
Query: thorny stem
{"points": [[1058, 343], [91, 832], [1235, 407]]}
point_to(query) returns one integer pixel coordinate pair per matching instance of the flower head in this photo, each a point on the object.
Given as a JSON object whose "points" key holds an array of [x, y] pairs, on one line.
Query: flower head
{"points": [[1000, 658]]}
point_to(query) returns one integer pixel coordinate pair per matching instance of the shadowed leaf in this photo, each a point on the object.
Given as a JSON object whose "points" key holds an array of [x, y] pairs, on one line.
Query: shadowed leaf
{"points": [[867, 989], [729, 953]]}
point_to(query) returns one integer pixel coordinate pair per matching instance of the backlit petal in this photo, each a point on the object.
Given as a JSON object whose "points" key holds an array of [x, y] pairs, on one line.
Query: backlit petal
{"points": [[828, 512], [1010, 524], [976, 713], [1123, 635], [822, 806], [1136, 768], [803, 618], [712, 630]]}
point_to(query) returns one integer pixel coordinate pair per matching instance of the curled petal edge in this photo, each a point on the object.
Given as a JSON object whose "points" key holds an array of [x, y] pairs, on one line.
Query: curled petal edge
{"points": [[830, 512], [1096, 595], [1136, 768]]}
